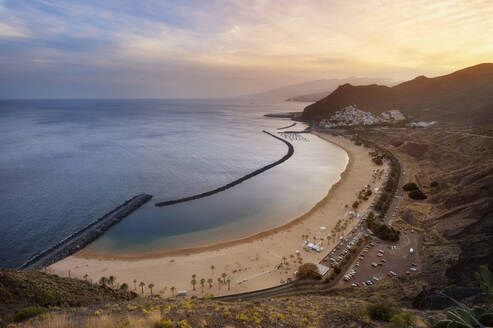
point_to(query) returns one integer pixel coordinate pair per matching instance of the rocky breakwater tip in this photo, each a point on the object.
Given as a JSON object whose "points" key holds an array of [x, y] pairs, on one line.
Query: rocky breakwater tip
{"points": [[84, 236], [289, 153]]}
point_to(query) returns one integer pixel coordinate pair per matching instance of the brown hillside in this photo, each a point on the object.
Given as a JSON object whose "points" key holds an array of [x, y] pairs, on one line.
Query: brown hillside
{"points": [[450, 97]]}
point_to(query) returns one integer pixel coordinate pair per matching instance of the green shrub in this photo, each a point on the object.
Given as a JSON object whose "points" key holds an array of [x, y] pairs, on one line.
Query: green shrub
{"points": [[355, 204], [417, 195], [410, 186], [383, 231], [308, 271], [382, 311], [402, 320], [164, 324], [29, 312], [377, 160]]}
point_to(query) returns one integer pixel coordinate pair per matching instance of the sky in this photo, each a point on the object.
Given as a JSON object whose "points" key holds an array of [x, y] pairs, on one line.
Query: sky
{"points": [[194, 49]]}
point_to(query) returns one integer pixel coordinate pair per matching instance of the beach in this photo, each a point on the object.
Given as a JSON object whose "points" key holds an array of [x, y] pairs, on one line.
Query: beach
{"points": [[249, 263]]}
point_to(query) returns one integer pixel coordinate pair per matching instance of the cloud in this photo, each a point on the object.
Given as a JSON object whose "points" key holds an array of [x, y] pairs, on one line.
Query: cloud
{"points": [[227, 39], [7, 31]]}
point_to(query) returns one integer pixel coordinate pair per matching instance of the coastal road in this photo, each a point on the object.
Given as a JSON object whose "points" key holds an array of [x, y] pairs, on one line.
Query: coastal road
{"points": [[396, 202], [299, 287]]}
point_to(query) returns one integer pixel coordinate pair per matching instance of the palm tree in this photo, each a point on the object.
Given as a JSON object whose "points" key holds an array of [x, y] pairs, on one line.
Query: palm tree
{"points": [[284, 259], [210, 281], [103, 281], [224, 277], [135, 284], [151, 285], [173, 290], [124, 287], [212, 268], [219, 283], [229, 283], [193, 282], [141, 285], [111, 280], [202, 283], [85, 276]]}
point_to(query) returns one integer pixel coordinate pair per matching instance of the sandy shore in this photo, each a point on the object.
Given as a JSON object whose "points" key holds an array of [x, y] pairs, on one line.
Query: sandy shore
{"points": [[249, 263]]}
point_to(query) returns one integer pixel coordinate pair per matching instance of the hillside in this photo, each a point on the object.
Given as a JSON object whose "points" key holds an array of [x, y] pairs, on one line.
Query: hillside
{"points": [[21, 289], [312, 97], [457, 217], [449, 98], [322, 87], [93, 306]]}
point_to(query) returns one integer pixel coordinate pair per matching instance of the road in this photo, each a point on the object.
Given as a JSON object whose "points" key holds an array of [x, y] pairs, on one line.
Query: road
{"points": [[358, 231]]}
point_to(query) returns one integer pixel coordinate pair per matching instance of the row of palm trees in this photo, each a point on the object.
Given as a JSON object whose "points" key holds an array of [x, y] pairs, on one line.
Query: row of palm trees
{"points": [[111, 282], [221, 281]]}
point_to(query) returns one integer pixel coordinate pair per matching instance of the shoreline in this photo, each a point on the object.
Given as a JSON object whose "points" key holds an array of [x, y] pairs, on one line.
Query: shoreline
{"points": [[88, 254], [255, 262]]}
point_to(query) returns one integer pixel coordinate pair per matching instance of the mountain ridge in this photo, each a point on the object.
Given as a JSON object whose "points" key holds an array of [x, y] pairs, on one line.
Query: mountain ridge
{"points": [[322, 86], [447, 97]]}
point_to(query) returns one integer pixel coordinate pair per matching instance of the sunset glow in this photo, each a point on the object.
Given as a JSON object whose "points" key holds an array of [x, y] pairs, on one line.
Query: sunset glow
{"points": [[221, 48]]}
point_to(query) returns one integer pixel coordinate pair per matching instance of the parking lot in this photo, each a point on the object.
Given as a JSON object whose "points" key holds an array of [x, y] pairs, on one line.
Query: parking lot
{"points": [[383, 260]]}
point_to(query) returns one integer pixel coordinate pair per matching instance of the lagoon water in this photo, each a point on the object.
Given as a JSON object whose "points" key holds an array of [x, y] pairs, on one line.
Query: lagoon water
{"points": [[64, 163]]}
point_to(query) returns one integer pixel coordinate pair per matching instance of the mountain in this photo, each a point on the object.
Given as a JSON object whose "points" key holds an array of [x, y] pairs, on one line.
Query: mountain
{"points": [[448, 97], [311, 97], [322, 87]]}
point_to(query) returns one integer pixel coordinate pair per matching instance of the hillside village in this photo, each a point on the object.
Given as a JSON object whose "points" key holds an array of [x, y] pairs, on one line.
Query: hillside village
{"points": [[352, 116]]}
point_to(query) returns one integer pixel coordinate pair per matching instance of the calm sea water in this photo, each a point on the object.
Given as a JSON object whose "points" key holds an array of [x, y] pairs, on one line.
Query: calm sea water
{"points": [[65, 163]]}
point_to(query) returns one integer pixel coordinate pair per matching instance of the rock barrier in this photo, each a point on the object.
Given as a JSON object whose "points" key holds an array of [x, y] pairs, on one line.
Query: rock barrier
{"points": [[238, 181]]}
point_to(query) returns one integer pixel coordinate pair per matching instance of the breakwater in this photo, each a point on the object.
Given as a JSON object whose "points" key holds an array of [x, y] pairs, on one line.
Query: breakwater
{"points": [[84, 236], [289, 153], [287, 127]]}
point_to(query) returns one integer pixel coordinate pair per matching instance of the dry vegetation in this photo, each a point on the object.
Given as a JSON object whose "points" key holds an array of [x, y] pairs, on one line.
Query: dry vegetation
{"points": [[453, 166], [293, 311]]}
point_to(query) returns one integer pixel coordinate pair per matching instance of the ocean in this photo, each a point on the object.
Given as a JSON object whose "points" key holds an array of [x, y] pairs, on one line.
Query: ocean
{"points": [[65, 163]]}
